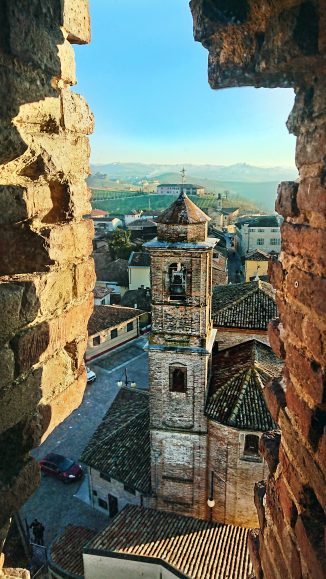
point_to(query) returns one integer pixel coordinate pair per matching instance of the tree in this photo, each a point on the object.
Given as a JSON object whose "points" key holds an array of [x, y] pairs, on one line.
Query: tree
{"points": [[119, 244]]}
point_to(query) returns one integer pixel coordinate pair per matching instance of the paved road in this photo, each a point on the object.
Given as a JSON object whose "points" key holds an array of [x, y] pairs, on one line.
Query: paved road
{"points": [[235, 274], [53, 502]]}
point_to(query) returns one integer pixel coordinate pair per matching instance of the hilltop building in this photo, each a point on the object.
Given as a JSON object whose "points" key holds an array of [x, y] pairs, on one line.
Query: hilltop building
{"points": [[206, 412], [260, 232], [178, 188]]}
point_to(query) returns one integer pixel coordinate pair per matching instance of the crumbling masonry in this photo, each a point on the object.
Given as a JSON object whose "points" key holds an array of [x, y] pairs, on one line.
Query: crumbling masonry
{"points": [[282, 44], [47, 274], [46, 271]]}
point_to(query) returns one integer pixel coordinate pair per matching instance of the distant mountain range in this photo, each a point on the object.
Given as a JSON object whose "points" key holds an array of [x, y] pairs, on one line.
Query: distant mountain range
{"points": [[237, 172]]}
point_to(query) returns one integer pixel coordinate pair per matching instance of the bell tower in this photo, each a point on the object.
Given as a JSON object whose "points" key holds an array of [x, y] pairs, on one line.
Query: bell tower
{"points": [[180, 349]]}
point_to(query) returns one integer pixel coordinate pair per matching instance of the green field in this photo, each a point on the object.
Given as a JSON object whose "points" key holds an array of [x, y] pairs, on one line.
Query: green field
{"points": [[145, 202]]}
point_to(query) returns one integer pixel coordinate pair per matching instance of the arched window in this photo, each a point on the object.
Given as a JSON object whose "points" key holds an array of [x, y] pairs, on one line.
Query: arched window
{"points": [[177, 281], [178, 378], [251, 445]]}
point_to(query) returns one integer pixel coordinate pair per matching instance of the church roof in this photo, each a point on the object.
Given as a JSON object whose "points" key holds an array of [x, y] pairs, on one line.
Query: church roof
{"points": [[182, 212], [236, 393], [249, 305], [120, 446], [189, 548], [66, 551]]}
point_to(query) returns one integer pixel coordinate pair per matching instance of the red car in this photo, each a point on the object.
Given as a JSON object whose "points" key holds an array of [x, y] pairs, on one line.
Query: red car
{"points": [[61, 467]]}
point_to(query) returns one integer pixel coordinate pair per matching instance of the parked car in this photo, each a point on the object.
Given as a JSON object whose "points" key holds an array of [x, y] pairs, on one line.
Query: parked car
{"points": [[91, 376], [61, 467]]}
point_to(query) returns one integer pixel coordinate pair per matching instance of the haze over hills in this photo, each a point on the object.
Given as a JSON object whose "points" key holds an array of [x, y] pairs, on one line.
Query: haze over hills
{"points": [[256, 184], [237, 172]]}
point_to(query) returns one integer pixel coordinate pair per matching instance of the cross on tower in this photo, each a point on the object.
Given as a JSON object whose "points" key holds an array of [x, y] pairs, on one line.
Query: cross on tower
{"points": [[183, 174]]}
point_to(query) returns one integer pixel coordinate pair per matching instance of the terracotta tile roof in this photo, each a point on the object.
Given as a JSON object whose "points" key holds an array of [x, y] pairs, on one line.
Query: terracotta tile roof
{"points": [[236, 392], [100, 291], [104, 317], [139, 259], [182, 212], [65, 553], [249, 305], [142, 223], [226, 339], [120, 447], [257, 255], [192, 548]]}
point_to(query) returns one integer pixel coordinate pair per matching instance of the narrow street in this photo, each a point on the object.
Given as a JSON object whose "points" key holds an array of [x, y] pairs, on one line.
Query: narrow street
{"points": [[54, 503], [235, 274]]}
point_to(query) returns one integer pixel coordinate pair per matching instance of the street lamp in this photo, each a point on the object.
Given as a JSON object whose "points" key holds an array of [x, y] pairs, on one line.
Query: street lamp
{"points": [[126, 381], [210, 500]]}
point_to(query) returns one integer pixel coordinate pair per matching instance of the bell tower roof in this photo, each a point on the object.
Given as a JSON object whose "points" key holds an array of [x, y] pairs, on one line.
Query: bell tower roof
{"points": [[182, 212]]}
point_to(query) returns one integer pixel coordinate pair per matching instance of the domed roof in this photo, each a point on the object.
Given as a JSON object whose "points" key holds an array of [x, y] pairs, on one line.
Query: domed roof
{"points": [[182, 212]]}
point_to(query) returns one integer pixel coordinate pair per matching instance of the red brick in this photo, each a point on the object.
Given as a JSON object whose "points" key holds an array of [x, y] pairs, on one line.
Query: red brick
{"points": [[253, 547], [298, 407], [315, 340], [288, 506], [276, 273], [311, 546], [290, 473], [291, 318], [286, 202], [307, 288], [306, 243], [306, 371], [269, 446], [312, 195], [275, 340], [275, 397], [259, 494]]}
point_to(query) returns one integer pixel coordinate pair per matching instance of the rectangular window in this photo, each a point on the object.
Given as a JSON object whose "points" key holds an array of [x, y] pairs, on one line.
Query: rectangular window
{"points": [[130, 326], [178, 378], [102, 504], [260, 241], [114, 333], [261, 230], [274, 230], [95, 493], [105, 476], [275, 241], [103, 302], [96, 341], [251, 448]]}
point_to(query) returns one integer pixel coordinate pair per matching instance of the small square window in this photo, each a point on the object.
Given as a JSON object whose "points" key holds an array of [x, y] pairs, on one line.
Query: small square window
{"points": [[260, 241], [96, 341], [114, 333], [105, 477], [102, 504], [94, 493], [130, 326]]}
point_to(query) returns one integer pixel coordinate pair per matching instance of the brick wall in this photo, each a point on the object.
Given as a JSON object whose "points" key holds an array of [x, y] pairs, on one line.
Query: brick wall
{"points": [[234, 475], [46, 270], [283, 44]]}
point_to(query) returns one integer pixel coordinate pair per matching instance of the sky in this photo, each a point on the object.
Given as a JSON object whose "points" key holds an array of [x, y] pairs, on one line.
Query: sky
{"points": [[145, 79]]}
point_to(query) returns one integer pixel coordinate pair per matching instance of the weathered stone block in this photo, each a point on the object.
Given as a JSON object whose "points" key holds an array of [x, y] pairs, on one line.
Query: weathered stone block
{"points": [[67, 64], [19, 400], [312, 195], [275, 397], [76, 21], [269, 445], [19, 489], [276, 273], [307, 288], [77, 116], [18, 306], [7, 366], [85, 277], [286, 202], [275, 339], [308, 371], [306, 243]]}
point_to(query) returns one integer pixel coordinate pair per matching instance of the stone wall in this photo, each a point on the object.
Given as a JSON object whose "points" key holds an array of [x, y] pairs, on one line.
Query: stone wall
{"points": [[46, 271], [234, 475], [283, 44]]}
